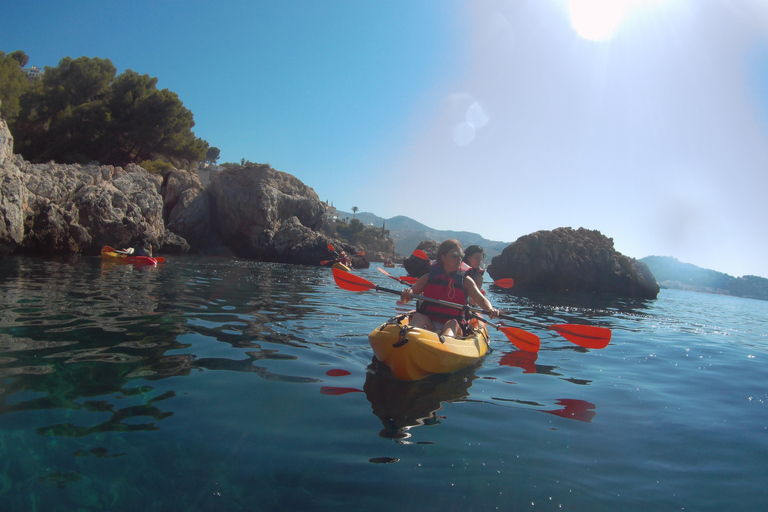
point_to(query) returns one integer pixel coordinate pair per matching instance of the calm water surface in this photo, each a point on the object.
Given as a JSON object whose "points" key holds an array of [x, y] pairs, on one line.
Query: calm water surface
{"points": [[214, 384]]}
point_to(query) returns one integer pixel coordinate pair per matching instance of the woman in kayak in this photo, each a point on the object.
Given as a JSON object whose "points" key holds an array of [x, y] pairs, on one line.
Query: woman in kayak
{"points": [[446, 281], [474, 256]]}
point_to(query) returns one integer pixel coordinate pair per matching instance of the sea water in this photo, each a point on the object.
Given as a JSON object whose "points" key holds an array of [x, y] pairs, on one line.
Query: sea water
{"points": [[224, 384]]}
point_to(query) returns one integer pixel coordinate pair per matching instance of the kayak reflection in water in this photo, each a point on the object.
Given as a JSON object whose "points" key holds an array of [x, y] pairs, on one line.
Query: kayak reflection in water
{"points": [[446, 281]]}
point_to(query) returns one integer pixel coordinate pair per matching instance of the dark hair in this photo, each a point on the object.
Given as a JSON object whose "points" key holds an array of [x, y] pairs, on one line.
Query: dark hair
{"points": [[472, 249]]}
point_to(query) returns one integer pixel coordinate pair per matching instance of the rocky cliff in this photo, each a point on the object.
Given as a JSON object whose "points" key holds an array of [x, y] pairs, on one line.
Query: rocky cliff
{"points": [[572, 259], [256, 212]]}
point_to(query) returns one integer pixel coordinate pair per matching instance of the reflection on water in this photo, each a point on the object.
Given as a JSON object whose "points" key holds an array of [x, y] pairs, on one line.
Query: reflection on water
{"points": [[80, 330], [216, 384], [401, 405]]}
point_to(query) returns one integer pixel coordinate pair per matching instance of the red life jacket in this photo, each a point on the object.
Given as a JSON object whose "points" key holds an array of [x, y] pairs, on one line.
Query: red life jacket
{"points": [[446, 287]]}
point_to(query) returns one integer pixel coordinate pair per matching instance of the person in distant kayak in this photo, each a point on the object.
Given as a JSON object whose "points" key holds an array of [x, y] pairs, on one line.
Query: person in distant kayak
{"points": [[446, 281], [143, 248], [474, 256], [344, 259]]}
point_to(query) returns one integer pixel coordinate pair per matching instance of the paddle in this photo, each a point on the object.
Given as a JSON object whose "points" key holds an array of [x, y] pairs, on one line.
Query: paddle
{"points": [[523, 340], [583, 335], [325, 262], [520, 338], [403, 279], [107, 248], [506, 282]]}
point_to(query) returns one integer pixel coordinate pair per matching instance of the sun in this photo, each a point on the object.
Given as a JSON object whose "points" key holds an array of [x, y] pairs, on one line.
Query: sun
{"points": [[598, 20]]}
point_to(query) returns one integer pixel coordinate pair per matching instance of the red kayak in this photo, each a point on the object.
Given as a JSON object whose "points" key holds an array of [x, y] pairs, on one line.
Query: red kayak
{"points": [[108, 253]]}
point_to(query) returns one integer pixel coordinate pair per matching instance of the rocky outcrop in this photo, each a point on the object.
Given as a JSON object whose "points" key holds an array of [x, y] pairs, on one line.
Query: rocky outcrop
{"points": [[69, 209], [568, 259], [265, 214], [417, 267], [255, 212]]}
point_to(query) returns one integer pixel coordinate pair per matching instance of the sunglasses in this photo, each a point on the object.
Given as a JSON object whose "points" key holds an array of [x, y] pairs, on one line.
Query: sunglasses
{"points": [[456, 255]]}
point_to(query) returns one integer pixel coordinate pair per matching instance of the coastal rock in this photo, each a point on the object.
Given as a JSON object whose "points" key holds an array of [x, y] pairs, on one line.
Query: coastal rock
{"points": [[577, 260], [68, 209], [268, 215], [6, 142], [360, 261], [187, 208], [13, 196], [417, 267], [255, 212]]}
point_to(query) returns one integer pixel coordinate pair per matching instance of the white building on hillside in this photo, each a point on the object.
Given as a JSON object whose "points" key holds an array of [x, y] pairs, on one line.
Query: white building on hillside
{"points": [[33, 72]]}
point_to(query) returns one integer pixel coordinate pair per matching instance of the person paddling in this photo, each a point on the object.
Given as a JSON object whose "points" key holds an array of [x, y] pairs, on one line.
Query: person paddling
{"points": [[446, 281], [143, 248], [344, 259]]}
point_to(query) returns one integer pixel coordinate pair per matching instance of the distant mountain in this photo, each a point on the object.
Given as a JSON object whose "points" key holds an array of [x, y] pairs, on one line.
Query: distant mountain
{"points": [[671, 273], [408, 233]]}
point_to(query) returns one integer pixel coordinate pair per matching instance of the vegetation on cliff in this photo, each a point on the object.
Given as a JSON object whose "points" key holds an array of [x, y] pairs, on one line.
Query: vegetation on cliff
{"points": [[672, 273], [354, 232], [82, 111]]}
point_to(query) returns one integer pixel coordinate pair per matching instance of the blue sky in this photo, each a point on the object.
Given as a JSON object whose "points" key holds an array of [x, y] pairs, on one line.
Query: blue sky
{"points": [[644, 119]]}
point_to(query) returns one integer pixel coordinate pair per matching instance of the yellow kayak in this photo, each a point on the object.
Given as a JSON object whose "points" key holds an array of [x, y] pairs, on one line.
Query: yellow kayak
{"points": [[414, 353], [341, 266]]}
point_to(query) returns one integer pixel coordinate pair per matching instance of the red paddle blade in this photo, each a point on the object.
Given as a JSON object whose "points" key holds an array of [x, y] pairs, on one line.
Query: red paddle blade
{"points": [[574, 410], [586, 336], [523, 340], [521, 359], [408, 279], [421, 254], [351, 282], [505, 282], [330, 248]]}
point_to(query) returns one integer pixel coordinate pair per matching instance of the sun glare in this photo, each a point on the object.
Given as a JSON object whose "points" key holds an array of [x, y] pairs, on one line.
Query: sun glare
{"points": [[598, 20]]}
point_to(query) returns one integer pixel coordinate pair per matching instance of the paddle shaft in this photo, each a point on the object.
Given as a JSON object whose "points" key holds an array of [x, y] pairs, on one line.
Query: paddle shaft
{"points": [[470, 308], [436, 301], [585, 336]]}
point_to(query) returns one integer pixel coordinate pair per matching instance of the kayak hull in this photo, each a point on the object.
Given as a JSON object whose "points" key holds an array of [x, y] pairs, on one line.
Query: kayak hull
{"points": [[341, 266], [413, 353], [111, 255]]}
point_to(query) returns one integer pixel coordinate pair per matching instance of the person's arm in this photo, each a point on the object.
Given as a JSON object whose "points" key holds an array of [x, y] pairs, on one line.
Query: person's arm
{"points": [[474, 292], [416, 289]]}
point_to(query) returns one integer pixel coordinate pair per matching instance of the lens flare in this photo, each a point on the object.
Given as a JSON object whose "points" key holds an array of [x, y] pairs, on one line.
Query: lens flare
{"points": [[597, 20]]}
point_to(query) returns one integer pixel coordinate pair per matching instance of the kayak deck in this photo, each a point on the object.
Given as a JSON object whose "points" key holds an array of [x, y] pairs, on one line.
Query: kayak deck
{"points": [[414, 353]]}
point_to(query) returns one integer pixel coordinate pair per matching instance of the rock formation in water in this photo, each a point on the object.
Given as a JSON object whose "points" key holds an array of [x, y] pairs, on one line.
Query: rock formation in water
{"points": [[572, 259], [256, 212], [417, 267]]}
